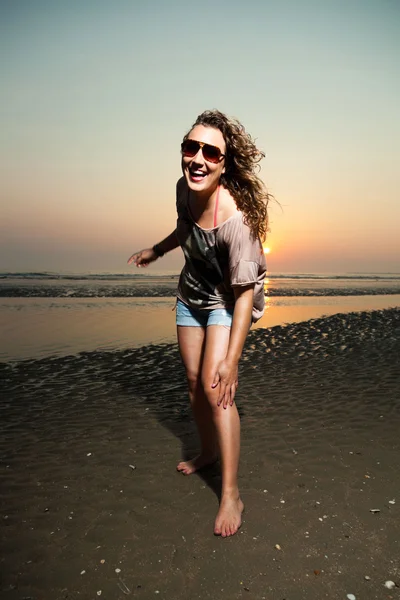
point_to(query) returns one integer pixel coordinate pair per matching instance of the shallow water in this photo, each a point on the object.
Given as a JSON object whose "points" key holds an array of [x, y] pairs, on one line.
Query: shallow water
{"points": [[53, 314], [41, 327]]}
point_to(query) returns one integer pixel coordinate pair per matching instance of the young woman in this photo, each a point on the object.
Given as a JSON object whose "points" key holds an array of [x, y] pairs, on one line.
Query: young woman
{"points": [[222, 218]]}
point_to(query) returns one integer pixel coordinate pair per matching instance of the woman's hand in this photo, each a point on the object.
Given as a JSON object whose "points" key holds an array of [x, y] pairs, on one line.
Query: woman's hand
{"points": [[226, 377], [143, 258]]}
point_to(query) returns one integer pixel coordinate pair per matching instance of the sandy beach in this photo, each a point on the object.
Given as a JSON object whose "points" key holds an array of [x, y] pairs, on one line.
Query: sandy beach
{"points": [[92, 506]]}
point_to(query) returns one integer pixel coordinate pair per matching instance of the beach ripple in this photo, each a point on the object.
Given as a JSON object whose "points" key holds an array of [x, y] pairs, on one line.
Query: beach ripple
{"points": [[89, 443]]}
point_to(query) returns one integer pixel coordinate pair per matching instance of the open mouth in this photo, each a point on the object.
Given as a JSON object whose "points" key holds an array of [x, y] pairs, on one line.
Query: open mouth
{"points": [[196, 174]]}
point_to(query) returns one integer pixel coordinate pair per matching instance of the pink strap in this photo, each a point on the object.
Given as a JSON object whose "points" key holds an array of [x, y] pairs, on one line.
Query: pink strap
{"points": [[216, 207]]}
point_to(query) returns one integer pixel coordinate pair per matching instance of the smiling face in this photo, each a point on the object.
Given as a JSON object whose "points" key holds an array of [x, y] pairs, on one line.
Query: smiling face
{"points": [[201, 175]]}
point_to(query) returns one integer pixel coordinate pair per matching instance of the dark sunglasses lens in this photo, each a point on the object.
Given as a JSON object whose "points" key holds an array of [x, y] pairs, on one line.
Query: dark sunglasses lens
{"points": [[190, 148], [211, 153]]}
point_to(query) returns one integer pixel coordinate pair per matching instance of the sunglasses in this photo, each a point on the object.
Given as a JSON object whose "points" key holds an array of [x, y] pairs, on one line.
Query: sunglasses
{"points": [[211, 153]]}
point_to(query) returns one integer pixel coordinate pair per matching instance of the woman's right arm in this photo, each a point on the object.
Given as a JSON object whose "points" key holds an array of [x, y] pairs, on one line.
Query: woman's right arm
{"points": [[144, 257]]}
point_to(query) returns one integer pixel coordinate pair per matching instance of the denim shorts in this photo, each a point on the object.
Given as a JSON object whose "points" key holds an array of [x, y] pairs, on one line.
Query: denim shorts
{"points": [[195, 317]]}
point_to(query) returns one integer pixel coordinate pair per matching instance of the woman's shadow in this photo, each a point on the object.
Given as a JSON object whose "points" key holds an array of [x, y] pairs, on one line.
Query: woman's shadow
{"points": [[160, 382]]}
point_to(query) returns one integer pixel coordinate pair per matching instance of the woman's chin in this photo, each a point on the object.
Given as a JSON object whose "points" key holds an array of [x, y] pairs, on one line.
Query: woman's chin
{"points": [[197, 184]]}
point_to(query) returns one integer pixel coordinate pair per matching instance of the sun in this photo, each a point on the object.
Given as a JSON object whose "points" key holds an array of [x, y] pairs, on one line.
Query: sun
{"points": [[267, 250]]}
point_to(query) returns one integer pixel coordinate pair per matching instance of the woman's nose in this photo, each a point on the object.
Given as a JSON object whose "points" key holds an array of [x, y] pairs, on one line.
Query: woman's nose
{"points": [[198, 159]]}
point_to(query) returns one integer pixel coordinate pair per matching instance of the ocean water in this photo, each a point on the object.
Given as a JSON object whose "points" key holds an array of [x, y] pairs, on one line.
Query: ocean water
{"points": [[59, 314], [117, 285]]}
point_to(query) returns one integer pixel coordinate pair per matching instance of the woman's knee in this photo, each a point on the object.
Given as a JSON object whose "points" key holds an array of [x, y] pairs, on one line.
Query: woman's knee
{"points": [[193, 380], [210, 392]]}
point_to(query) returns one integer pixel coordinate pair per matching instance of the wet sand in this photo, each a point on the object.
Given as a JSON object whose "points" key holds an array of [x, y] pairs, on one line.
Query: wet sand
{"points": [[44, 327], [89, 445]]}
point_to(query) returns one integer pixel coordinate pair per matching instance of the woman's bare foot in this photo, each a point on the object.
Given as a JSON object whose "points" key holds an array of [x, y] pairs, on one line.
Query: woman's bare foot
{"points": [[229, 517], [187, 467]]}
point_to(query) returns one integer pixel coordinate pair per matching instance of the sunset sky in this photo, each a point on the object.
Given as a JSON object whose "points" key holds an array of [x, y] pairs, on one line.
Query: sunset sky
{"points": [[96, 96]]}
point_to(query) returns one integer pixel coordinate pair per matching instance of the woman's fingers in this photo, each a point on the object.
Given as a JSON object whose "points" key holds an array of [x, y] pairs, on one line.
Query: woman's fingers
{"points": [[233, 392], [216, 380], [228, 384], [230, 393], [227, 397], [142, 258], [227, 394], [221, 393], [139, 260], [132, 259]]}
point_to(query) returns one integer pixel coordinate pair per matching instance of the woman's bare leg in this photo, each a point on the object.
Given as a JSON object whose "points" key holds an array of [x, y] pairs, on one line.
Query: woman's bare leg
{"points": [[227, 426], [191, 342]]}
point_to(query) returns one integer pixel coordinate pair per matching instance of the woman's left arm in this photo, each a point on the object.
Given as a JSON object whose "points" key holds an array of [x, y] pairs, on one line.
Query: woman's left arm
{"points": [[227, 371]]}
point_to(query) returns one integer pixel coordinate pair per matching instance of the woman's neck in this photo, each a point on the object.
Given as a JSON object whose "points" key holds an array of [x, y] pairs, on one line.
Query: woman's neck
{"points": [[204, 209], [203, 200]]}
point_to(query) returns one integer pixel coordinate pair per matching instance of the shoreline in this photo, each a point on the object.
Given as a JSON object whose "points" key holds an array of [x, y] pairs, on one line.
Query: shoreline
{"points": [[36, 328], [343, 320]]}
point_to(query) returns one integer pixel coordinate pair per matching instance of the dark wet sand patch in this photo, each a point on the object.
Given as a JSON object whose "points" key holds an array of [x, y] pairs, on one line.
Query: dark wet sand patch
{"points": [[320, 406]]}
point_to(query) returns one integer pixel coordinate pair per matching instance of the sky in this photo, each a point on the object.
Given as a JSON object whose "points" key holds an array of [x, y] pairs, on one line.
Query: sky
{"points": [[96, 96]]}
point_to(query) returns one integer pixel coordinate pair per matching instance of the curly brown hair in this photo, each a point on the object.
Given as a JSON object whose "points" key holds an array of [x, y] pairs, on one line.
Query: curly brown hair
{"points": [[241, 167]]}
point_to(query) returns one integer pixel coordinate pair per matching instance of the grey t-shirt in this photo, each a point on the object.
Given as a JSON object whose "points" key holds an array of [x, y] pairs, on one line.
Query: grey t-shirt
{"points": [[217, 260]]}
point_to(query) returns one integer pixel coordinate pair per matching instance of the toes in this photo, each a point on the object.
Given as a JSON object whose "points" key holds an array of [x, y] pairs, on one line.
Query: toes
{"points": [[218, 529], [184, 468], [226, 529]]}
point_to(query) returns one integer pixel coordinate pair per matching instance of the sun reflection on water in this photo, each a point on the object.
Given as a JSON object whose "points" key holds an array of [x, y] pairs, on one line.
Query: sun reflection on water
{"points": [[266, 284]]}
